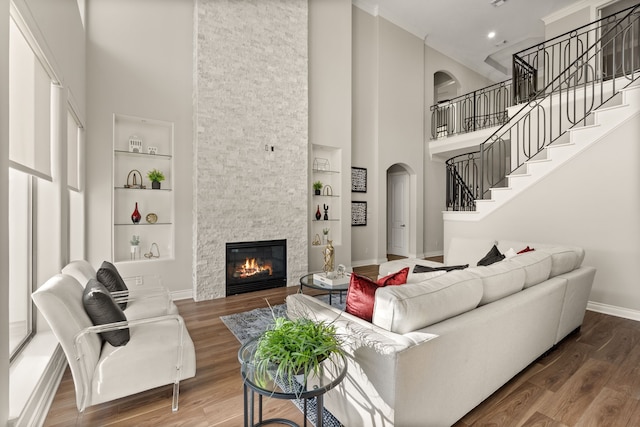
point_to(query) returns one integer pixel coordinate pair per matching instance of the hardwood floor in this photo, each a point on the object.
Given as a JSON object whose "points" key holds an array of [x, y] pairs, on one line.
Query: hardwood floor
{"points": [[591, 379]]}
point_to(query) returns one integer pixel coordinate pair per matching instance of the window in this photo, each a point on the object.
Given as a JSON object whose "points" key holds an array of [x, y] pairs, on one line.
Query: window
{"points": [[20, 259], [74, 184], [29, 161]]}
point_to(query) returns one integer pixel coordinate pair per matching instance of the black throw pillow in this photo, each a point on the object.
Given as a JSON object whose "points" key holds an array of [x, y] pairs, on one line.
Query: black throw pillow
{"points": [[109, 276], [491, 257], [102, 309], [424, 269]]}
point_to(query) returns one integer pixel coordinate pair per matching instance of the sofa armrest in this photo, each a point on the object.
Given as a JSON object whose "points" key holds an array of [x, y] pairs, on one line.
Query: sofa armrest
{"points": [[358, 332], [79, 343]]}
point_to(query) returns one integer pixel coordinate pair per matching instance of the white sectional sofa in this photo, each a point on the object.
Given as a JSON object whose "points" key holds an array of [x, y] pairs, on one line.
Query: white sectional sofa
{"points": [[442, 343]]}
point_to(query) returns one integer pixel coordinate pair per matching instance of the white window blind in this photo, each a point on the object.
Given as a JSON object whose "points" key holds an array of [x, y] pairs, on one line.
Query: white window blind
{"points": [[29, 108], [73, 141]]}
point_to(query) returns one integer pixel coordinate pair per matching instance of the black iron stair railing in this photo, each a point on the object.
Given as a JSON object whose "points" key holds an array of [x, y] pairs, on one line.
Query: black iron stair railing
{"points": [[473, 111], [593, 76]]}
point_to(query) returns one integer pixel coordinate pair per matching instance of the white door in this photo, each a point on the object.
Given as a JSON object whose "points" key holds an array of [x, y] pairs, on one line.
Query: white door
{"points": [[398, 214]]}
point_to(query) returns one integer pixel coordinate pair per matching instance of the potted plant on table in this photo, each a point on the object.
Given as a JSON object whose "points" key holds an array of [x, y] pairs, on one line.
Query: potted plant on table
{"points": [[317, 187], [155, 176], [295, 347]]}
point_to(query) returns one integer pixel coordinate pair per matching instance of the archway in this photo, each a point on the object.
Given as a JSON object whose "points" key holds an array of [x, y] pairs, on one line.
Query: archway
{"points": [[445, 86]]}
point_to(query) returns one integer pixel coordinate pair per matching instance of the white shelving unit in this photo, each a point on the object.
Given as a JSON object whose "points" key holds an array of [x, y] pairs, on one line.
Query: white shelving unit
{"points": [[159, 136], [326, 168]]}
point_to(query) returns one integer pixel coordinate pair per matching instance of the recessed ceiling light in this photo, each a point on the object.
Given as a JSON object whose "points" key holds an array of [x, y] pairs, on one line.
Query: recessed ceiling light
{"points": [[491, 34]]}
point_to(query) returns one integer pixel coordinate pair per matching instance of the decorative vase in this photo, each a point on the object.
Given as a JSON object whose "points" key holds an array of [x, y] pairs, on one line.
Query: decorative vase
{"points": [[135, 252], [318, 214], [317, 192], [155, 185], [135, 216], [329, 257]]}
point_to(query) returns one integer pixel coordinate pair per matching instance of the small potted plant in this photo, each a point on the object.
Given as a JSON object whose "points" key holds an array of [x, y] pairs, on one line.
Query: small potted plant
{"points": [[317, 187], [135, 248], [293, 348], [155, 176]]}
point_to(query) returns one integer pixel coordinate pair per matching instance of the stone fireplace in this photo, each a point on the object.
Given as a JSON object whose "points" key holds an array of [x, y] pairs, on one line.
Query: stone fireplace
{"points": [[251, 142]]}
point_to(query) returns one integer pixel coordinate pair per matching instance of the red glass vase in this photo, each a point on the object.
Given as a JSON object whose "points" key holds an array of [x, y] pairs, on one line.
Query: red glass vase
{"points": [[135, 216]]}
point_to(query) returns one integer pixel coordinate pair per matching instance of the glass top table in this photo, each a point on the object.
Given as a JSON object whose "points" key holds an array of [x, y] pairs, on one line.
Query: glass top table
{"points": [[307, 281], [332, 372]]}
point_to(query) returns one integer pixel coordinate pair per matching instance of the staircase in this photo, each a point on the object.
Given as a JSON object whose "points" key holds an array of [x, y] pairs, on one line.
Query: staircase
{"points": [[621, 108], [594, 90]]}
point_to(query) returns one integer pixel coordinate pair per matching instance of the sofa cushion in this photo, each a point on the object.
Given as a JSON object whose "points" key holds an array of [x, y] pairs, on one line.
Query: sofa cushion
{"points": [[563, 258], [498, 280], [109, 276], [421, 277], [491, 257], [403, 309], [397, 278], [102, 309], [536, 265], [361, 294]]}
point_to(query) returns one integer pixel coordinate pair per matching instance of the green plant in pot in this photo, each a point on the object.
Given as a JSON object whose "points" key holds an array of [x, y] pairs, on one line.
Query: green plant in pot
{"points": [[295, 347], [155, 176], [317, 187]]}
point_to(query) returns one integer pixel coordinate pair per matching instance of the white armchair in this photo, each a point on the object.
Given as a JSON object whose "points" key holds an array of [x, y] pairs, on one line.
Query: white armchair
{"points": [[141, 303], [159, 351]]}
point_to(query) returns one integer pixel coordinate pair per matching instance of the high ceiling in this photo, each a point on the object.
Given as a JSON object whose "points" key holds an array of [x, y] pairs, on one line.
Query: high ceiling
{"points": [[459, 28]]}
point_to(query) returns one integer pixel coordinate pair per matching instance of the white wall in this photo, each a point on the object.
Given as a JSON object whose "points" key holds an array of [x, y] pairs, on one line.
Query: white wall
{"points": [[434, 170], [4, 212], [139, 63], [401, 125], [330, 107], [574, 205], [388, 128], [365, 122]]}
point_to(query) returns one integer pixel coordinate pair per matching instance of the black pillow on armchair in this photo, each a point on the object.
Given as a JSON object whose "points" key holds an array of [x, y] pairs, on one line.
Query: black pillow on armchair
{"points": [[102, 309], [491, 257], [109, 276]]}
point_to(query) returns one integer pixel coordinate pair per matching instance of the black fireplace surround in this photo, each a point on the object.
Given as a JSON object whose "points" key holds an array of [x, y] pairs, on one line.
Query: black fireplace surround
{"points": [[253, 266]]}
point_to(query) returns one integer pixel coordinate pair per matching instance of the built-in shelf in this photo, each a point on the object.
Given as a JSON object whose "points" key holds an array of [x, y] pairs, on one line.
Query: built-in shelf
{"points": [[329, 160], [140, 145]]}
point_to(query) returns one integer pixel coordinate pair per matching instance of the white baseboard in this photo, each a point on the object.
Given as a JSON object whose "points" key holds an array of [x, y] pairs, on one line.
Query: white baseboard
{"points": [[365, 262], [432, 253], [614, 310], [183, 294]]}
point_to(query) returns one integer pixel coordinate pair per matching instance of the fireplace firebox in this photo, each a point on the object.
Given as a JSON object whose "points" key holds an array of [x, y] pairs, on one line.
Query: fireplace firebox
{"points": [[253, 266]]}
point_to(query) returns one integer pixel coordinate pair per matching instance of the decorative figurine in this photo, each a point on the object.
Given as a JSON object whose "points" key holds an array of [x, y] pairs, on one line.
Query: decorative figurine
{"points": [[326, 211], [329, 257]]}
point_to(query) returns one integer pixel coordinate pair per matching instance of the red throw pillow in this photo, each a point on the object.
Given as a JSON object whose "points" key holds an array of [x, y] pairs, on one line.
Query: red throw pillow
{"points": [[399, 278], [361, 294], [527, 249]]}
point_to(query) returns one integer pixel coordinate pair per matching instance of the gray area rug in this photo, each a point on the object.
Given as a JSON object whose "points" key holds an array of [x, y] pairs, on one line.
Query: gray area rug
{"points": [[250, 324]]}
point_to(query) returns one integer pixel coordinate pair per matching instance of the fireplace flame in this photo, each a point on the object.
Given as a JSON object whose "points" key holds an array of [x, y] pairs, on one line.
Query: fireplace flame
{"points": [[251, 267]]}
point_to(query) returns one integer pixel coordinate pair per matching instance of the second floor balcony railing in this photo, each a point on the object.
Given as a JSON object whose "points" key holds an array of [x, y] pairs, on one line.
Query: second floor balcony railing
{"points": [[480, 109]]}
